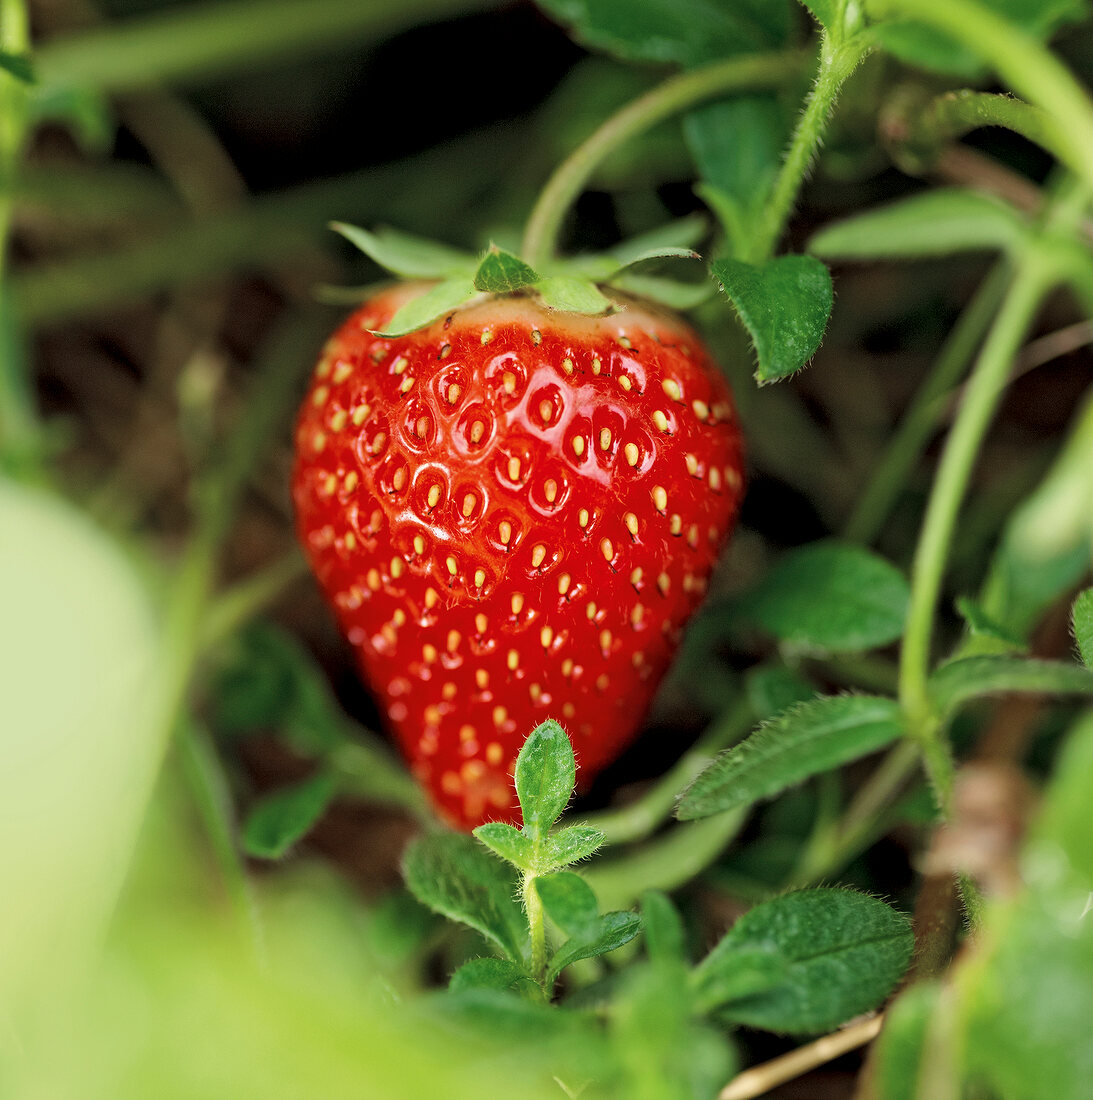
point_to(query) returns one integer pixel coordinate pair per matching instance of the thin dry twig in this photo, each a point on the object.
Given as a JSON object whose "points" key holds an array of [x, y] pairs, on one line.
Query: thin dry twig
{"points": [[762, 1078]]}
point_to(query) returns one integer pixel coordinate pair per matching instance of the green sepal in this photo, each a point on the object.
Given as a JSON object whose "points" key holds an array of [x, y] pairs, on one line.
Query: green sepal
{"points": [[407, 256], [572, 294], [501, 272], [428, 307], [667, 292]]}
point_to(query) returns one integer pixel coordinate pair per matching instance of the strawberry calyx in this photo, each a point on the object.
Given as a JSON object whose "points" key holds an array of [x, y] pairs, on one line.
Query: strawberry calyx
{"points": [[582, 284]]}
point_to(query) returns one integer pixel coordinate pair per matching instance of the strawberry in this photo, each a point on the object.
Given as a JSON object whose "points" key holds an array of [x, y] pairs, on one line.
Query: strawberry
{"points": [[512, 511]]}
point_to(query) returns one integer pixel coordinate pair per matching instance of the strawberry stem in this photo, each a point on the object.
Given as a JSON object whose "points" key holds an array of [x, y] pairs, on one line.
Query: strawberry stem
{"points": [[533, 907], [670, 98], [838, 59], [983, 392]]}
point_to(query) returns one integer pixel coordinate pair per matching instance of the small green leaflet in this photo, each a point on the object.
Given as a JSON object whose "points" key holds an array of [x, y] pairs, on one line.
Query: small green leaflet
{"points": [[802, 741], [508, 842], [501, 272], [609, 932], [407, 256], [972, 677], [425, 308], [830, 597], [665, 939], [545, 776], [985, 636], [569, 902], [806, 962], [1082, 618], [487, 973], [773, 687], [452, 875], [784, 304], [939, 222], [280, 819], [19, 65]]}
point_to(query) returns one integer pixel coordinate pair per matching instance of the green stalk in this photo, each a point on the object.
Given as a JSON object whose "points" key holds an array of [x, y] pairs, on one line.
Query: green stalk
{"points": [[1022, 61], [678, 94], [202, 41], [533, 907], [837, 61], [20, 430], [982, 394], [921, 418]]}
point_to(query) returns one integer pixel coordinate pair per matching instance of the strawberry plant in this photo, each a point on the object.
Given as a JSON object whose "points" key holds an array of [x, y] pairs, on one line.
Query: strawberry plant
{"points": [[574, 581]]}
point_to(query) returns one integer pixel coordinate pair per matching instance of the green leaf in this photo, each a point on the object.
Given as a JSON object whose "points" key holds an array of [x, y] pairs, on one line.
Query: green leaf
{"points": [[806, 962], [784, 305], [1045, 548], [568, 294], [938, 222], [737, 146], [905, 1051], [18, 65], [1082, 619], [1060, 849], [489, 974], [967, 678], [500, 272], [509, 843], [452, 875], [1027, 999], [828, 13], [683, 233], [427, 307], [830, 596], [685, 32], [986, 637], [569, 902], [407, 256], [569, 845], [665, 939], [771, 688], [608, 933], [928, 48], [546, 773], [804, 740], [280, 819]]}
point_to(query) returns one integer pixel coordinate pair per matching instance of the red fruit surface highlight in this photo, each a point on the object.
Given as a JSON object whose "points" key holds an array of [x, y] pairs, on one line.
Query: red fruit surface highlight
{"points": [[513, 512]]}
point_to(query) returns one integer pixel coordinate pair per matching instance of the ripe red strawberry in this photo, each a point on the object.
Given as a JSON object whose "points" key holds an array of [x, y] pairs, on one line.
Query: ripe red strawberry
{"points": [[513, 511]]}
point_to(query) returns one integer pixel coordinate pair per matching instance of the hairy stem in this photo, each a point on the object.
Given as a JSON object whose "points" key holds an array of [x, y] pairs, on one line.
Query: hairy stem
{"points": [[670, 98], [533, 907], [837, 62], [1022, 61]]}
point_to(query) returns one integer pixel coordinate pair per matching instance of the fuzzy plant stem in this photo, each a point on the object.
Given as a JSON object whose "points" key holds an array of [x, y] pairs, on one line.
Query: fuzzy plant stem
{"points": [[533, 909], [837, 61], [678, 94], [1022, 61], [981, 397]]}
